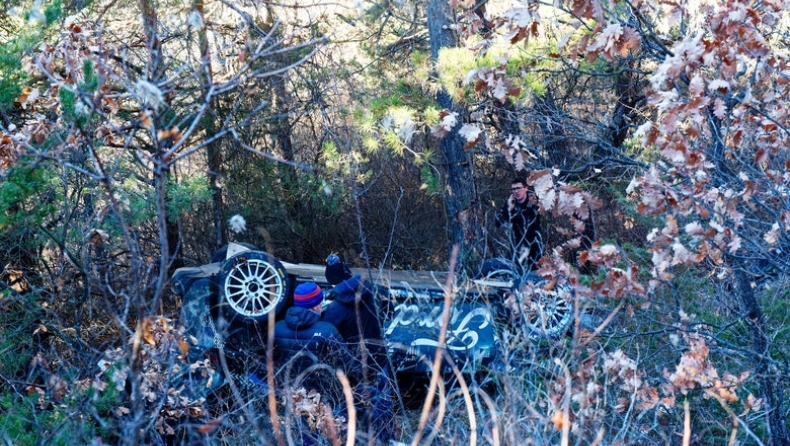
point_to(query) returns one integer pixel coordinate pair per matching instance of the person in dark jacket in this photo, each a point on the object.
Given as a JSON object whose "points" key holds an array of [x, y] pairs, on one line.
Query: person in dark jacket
{"points": [[521, 212], [353, 312], [302, 328], [302, 331], [352, 309]]}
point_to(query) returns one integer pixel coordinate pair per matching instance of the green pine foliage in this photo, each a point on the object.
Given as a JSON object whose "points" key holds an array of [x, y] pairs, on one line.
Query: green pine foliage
{"points": [[24, 423], [21, 194], [455, 64], [17, 322], [432, 183], [25, 34], [185, 195], [11, 77]]}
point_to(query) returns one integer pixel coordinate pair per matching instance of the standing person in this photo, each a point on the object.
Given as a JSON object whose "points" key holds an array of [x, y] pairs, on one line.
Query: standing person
{"points": [[353, 312], [521, 212]]}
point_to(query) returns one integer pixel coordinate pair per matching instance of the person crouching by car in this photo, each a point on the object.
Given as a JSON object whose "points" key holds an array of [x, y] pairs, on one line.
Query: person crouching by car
{"points": [[353, 311], [302, 332], [302, 327]]}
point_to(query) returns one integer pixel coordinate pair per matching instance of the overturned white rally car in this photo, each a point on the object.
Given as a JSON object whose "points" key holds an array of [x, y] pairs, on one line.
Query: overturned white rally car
{"points": [[229, 303]]}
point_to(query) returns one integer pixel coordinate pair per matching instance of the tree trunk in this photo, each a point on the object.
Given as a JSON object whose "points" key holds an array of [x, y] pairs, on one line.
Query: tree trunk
{"points": [[768, 391], [629, 95], [552, 127], [281, 128], [155, 70], [292, 206], [460, 194], [440, 18], [214, 154], [213, 150]]}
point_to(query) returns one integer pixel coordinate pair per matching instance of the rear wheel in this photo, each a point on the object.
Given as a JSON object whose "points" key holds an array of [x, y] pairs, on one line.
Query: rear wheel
{"points": [[547, 313], [253, 284], [499, 269], [222, 253]]}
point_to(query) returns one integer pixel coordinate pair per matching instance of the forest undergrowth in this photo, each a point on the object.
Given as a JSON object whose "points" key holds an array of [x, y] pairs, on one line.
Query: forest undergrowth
{"points": [[614, 379]]}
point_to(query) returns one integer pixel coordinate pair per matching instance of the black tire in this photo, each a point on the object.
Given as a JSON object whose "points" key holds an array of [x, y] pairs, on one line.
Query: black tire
{"points": [[547, 314], [499, 269], [252, 284], [221, 253]]}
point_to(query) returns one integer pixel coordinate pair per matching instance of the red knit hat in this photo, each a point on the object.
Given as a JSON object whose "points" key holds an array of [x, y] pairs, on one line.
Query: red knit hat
{"points": [[308, 295]]}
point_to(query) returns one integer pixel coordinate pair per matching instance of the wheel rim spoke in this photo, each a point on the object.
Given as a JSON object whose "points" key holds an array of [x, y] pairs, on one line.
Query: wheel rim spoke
{"points": [[253, 288], [550, 311]]}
